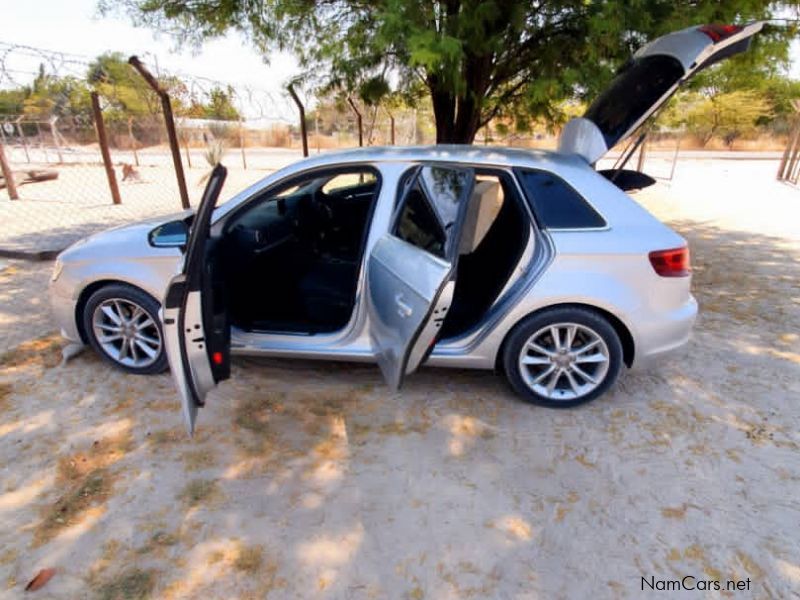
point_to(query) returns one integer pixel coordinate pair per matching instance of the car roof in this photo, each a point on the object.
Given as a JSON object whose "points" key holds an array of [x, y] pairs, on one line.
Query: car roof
{"points": [[477, 155]]}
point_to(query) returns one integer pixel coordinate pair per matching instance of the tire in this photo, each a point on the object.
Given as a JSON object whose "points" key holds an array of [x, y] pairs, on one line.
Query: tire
{"points": [[582, 373], [139, 329]]}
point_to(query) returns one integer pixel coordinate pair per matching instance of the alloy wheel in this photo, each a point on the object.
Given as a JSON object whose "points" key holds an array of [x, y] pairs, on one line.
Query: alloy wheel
{"points": [[564, 361], [126, 332]]}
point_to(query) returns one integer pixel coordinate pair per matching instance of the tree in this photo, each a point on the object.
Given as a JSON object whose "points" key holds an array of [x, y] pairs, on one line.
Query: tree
{"points": [[220, 105], [728, 116], [477, 59], [51, 95]]}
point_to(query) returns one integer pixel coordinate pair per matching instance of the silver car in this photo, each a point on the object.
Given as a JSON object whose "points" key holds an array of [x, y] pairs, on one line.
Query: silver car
{"points": [[529, 262]]}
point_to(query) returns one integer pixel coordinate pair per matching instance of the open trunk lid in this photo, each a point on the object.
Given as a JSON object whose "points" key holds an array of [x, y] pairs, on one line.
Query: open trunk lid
{"points": [[647, 81]]}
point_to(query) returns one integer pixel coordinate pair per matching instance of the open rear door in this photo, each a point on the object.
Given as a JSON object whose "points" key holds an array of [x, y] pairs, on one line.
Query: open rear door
{"points": [[196, 328], [647, 81], [411, 269]]}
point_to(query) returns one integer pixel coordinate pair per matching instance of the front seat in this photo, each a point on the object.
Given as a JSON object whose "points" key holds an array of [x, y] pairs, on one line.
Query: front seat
{"points": [[327, 292]]}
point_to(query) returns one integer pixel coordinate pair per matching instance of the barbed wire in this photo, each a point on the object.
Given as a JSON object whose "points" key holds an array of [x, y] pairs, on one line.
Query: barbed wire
{"points": [[20, 64]]}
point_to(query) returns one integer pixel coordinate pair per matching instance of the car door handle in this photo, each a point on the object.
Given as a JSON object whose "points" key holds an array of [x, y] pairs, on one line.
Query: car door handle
{"points": [[403, 309]]}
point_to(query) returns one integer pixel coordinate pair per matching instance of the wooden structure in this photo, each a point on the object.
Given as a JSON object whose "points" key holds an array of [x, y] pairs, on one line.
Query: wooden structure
{"points": [[789, 168]]}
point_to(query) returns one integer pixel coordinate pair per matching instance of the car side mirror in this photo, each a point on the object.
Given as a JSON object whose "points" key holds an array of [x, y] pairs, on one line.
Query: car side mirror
{"points": [[169, 235]]}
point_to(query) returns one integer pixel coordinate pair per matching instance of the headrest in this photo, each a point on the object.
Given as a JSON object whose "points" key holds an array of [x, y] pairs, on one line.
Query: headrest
{"points": [[484, 205]]}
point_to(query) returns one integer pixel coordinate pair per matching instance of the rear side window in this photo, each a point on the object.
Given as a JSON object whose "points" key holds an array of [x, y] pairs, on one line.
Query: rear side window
{"points": [[557, 205], [418, 224], [430, 208]]}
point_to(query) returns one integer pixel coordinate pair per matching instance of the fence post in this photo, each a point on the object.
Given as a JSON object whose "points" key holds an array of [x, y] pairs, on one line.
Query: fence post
{"points": [[23, 140], [391, 126], [100, 126], [41, 141], [133, 141], [172, 134], [54, 133], [301, 108], [358, 119], [241, 142], [8, 175]]}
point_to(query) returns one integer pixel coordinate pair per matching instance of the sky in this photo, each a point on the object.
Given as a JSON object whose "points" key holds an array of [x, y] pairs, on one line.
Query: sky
{"points": [[73, 26]]}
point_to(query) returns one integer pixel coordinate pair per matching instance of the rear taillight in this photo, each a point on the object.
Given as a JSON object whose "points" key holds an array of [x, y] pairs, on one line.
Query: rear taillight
{"points": [[719, 32], [671, 263]]}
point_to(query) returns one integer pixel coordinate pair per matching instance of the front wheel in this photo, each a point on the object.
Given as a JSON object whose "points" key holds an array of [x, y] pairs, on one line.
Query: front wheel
{"points": [[562, 357], [121, 324]]}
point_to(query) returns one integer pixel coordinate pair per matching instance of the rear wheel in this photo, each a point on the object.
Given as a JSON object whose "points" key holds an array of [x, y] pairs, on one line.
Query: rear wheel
{"points": [[121, 323], [562, 357]]}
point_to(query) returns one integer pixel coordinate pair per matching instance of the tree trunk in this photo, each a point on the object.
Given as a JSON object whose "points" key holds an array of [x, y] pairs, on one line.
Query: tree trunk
{"points": [[458, 118]]}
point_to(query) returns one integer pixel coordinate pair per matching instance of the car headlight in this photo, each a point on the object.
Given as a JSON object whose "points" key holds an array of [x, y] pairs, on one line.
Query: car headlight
{"points": [[57, 268]]}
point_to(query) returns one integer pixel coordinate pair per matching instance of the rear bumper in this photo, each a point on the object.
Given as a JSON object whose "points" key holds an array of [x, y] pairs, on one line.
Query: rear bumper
{"points": [[665, 337]]}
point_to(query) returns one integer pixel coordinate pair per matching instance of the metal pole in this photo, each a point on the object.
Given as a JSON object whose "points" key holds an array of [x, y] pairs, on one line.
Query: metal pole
{"points": [[358, 118], [642, 156], [301, 108], [8, 175], [316, 127], [391, 127], [41, 141], [790, 143], [186, 149], [54, 133], [100, 126], [169, 121], [133, 141], [23, 140], [241, 142], [675, 159]]}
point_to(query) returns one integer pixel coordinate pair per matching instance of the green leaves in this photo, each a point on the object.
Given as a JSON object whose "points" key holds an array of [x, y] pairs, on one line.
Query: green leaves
{"points": [[479, 59]]}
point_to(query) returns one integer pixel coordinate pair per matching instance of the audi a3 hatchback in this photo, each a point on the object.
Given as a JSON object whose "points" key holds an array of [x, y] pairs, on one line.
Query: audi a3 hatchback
{"points": [[529, 262]]}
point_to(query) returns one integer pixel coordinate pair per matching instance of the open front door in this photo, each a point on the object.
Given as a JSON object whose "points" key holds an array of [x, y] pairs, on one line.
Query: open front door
{"points": [[647, 81], [411, 270], [196, 328]]}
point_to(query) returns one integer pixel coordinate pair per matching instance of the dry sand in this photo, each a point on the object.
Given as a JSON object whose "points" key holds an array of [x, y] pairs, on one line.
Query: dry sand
{"points": [[311, 480]]}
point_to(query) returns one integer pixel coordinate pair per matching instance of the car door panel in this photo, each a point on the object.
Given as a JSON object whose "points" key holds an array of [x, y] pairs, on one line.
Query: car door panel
{"points": [[196, 328], [410, 287]]}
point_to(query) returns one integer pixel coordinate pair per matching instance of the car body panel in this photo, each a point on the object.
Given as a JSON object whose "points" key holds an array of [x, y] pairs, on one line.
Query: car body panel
{"points": [[631, 233]]}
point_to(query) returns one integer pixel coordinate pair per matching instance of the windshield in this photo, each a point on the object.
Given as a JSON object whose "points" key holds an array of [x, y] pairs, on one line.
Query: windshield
{"points": [[634, 93]]}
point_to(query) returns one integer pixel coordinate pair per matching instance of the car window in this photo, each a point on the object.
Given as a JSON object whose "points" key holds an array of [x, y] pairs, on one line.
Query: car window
{"points": [[431, 207], [556, 203], [639, 85], [341, 182], [283, 204]]}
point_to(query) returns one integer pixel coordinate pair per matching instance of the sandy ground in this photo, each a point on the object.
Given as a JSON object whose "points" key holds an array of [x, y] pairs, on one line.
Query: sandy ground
{"points": [[311, 480]]}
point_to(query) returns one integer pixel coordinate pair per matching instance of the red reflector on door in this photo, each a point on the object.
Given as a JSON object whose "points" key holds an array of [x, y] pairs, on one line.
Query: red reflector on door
{"points": [[217, 358], [671, 263], [719, 32]]}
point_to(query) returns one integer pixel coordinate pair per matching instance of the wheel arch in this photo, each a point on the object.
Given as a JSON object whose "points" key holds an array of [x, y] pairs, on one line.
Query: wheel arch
{"points": [[90, 289], [622, 330]]}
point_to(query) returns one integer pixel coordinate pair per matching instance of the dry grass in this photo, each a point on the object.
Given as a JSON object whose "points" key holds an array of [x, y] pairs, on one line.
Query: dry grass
{"points": [[88, 481], [249, 559], [71, 507], [134, 584], [44, 352], [5, 393], [195, 460], [199, 491]]}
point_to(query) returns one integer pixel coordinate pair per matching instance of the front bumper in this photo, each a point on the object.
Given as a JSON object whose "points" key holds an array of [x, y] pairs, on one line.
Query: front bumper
{"points": [[62, 306]]}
